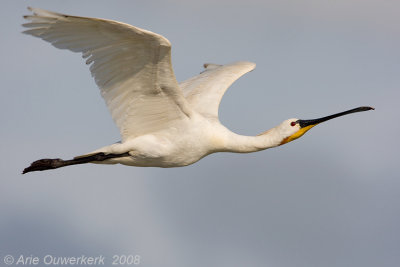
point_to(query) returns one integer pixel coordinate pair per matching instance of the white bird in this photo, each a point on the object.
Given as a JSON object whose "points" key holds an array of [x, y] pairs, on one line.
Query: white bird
{"points": [[163, 123]]}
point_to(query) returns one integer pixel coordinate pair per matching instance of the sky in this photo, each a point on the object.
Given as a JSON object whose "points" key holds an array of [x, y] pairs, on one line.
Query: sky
{"points": [[328, 199]]}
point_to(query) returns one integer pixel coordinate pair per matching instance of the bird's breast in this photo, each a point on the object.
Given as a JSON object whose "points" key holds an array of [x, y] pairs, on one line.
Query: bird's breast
{"points": [[167, 150]]}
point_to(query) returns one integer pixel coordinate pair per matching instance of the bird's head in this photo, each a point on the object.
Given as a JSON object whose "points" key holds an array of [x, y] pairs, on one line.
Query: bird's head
{"points": [[292, 129]]}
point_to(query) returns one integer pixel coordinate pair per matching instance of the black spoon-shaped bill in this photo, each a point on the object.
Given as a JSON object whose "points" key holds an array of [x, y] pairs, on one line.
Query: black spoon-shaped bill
{"points": [[305, 123]]}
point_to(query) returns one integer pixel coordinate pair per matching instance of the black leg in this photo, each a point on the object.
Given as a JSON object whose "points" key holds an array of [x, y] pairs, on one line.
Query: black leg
{"points": [[48, 164]]}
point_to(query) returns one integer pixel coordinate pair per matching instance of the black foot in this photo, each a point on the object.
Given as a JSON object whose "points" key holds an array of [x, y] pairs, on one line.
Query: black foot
{"points": [[44, 164], [48, 164]]}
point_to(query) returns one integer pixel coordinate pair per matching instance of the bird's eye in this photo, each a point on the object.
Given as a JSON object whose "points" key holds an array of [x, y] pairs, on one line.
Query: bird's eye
{"points": [[293, 123]]}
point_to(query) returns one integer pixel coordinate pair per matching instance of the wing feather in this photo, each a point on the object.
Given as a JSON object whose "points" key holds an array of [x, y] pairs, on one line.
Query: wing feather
{"points": [[131, 66], [205, 91]]}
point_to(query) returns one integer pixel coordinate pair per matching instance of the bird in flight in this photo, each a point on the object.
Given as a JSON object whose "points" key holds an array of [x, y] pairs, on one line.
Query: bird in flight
{"points": [[162, 123]]}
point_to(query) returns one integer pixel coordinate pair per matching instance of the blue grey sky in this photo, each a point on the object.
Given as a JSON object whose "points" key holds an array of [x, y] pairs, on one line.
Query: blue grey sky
{"points": [[328, 199]]}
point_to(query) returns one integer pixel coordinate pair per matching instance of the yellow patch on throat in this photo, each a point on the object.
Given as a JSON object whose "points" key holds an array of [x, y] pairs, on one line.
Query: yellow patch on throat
{"points": [[297, 134]]}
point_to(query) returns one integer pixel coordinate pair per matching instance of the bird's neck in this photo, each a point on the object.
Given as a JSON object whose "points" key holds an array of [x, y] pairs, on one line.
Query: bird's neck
{"points": [[246, 144]]}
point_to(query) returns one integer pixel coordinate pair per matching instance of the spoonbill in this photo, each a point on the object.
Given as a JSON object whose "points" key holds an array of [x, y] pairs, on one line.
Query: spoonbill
{"points": [[162, 123]]}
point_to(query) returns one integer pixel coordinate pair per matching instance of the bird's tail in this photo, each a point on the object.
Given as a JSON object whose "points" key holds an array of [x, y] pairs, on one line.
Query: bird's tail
{"points": [[48, 164]]}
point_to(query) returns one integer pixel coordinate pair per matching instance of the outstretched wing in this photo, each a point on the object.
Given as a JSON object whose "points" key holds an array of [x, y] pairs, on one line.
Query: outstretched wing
{"points": [[204, 92], [132, 67]]}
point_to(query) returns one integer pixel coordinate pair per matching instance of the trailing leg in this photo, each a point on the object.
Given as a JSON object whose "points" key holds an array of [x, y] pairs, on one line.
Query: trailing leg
{"points": [[48, 164]]}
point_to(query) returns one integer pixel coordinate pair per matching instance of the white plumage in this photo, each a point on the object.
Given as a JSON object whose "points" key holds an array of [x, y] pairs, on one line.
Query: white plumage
{"points": [[162, 123]]}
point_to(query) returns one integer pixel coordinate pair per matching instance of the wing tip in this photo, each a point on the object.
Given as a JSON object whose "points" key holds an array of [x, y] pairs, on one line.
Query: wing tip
{"points": [[44, 13], [210, 66], [28, 16], [251, 65]]}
